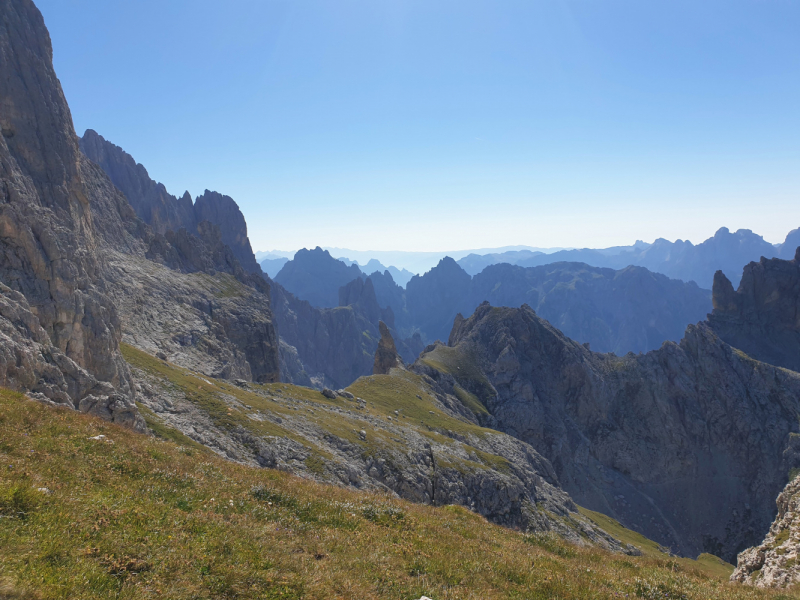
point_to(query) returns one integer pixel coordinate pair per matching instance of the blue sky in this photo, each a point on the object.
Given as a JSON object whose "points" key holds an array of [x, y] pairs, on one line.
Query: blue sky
{"points": [[439, 125]]}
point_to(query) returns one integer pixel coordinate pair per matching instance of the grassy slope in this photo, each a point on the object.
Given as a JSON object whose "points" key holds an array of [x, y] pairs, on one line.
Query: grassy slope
{"points": [[146, 518], [403, 392]]}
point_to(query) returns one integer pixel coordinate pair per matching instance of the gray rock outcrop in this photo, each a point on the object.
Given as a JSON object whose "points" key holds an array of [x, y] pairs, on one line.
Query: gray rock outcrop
{"points": [[151, 200], [776, 561], [688, 444], [386, 356], [762, 317], [164, 212]]}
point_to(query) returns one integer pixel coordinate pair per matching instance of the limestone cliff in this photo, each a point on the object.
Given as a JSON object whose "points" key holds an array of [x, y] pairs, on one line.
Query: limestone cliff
{"points": [[165, 212], [762, 317], [60, 316], [151, 201], [686, 444]]}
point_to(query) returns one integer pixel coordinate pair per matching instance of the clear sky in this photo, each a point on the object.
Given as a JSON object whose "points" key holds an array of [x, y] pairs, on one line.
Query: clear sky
{"points": [[440, 125]]}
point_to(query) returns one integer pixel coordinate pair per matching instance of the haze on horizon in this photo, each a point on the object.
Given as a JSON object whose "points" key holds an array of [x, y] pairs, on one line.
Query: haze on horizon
{"points": [[441, 126]]}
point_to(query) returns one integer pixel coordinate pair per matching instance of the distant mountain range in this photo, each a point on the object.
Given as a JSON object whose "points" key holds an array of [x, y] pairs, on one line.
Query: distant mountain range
{"points": [[726, 251], [411, 262], [631, 309]]}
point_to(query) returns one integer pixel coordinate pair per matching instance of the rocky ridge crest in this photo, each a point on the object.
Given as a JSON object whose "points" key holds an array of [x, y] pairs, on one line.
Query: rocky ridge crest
{"points": [[762, 317]]}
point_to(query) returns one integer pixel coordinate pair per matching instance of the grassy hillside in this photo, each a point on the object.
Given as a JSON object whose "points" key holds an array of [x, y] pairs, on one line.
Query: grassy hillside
{"points": [[301, 414], [132, 516]]}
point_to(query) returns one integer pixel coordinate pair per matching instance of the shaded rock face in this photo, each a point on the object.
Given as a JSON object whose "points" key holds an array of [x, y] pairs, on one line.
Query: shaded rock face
{"points": [[224, 212], [322, 347], [686, 444], [361, 293], [332, 347], [47, 232], [165, 212], [762, 317], [630, 310], [431, 298], [386, 356], [151, 201], [776, 561], [315, 276], [789, 247]]}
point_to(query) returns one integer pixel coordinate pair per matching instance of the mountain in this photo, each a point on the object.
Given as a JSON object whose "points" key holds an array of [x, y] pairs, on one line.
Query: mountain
{"points": [[615, 311], [630, 310], [272, 266], [762, 318], [688, 444], [421, 262], [400, 276], [315, 276], [788, 248], [475, 263], [725, 251], [164, 212]]}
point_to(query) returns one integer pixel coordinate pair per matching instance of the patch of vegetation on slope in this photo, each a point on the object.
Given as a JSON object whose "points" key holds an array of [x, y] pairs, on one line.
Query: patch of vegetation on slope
{"points": [[465, 371], [286, 411], [133, 516], [712, 565]]}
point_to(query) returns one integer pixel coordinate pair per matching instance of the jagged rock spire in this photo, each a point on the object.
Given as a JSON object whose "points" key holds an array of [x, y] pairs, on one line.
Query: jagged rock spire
{"points": [[386, 356]]}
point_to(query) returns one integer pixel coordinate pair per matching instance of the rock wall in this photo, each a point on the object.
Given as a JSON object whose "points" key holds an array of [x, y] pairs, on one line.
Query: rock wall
{"points": [[165, 212], [762, 317], [151, 201], [48, 240]]}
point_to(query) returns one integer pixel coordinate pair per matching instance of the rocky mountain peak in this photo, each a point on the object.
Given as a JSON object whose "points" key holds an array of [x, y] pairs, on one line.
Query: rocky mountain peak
{"points": [[225, 213], [149, 199], [315, 276], [761, 317], [361, 293], [386, 356]]}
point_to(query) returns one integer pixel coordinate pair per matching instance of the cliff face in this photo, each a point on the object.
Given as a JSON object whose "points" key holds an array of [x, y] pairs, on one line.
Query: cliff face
{"points": [[224, 212], [151, 201], [164, 212], [48, 236], [687, 444], [761, 318]]}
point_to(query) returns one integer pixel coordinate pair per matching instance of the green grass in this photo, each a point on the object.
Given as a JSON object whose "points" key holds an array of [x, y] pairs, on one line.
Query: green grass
{"points": [[706, 563], [141, 518], [464, 369], [226, 405]]}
